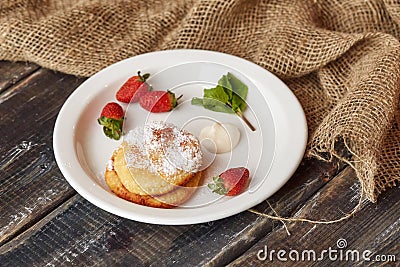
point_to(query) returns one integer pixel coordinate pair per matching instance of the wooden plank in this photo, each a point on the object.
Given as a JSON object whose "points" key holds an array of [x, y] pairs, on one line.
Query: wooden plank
{"points": [[30, 183], [375, 228], [13, 72], [79, 233]]}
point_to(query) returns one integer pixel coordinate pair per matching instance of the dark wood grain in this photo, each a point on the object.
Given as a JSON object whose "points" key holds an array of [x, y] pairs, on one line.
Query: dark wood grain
{"points": [[82, 234], [13, 72], [30, 182], [375, 227]]}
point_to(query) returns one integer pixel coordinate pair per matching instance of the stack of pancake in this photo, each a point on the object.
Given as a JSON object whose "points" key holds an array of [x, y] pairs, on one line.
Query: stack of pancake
{"points": [[157, 165]]}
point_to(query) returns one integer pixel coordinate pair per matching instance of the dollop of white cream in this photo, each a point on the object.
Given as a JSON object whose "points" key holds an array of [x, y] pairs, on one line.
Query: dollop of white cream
{"points": [[220, 137]]}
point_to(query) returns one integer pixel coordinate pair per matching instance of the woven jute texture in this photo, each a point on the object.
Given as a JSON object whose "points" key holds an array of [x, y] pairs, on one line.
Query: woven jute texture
{"points": [[339, 57]]}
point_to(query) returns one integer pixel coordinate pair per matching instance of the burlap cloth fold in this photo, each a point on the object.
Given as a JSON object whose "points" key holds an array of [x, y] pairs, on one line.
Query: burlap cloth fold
{"points": [[340, 57]]}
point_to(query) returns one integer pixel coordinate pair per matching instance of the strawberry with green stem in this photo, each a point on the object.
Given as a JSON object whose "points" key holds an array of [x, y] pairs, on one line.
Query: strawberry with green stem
{"points": [[231, 182], [111, 118]]}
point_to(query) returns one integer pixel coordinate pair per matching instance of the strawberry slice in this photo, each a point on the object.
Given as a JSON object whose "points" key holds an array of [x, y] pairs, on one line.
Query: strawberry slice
{"points": [[231, 182], [111, 118]]}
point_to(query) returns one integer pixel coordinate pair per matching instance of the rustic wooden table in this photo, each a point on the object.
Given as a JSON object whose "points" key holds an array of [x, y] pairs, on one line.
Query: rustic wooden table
{"points": [[44, 222]]}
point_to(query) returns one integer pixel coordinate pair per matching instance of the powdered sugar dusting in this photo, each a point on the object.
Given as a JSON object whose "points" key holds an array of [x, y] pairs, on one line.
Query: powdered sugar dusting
{"points": [[163, 148], [135, 151]]}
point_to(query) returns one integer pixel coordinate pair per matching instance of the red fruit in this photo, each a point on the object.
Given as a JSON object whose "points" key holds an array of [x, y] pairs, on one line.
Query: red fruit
{"points": [[111, 118], [159, 101], [134, 88], [231, 182]]}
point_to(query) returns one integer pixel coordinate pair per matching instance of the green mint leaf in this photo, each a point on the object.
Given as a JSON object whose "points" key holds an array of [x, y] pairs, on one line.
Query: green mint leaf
{"points": [[216, 99], [197, 101], [238, 104], [216, 105], [217, 93], [236, 90], [211, 104], [224, 82], [228, 96], [238, 86]]}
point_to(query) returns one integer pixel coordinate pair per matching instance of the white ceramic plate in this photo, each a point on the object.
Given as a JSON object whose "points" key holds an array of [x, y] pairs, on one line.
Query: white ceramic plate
{"points": [[271, 153]]}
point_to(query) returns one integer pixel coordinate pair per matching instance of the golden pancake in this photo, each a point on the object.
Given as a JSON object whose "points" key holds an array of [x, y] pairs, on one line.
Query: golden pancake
{"points": [[142, 181], [156, 165], [168, 200]]}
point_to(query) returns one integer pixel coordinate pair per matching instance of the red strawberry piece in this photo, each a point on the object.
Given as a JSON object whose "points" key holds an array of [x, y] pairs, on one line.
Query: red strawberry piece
{"points": [[159, 101], [231, 182], [133, 89], [111, 118]]}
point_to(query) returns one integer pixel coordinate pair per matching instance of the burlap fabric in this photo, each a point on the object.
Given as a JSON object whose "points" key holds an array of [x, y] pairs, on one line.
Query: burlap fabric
{"points": [[340, 57]]}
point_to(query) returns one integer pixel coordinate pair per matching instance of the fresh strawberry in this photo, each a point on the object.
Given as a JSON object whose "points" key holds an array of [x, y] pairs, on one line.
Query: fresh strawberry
{"points": [[159, 101], [133, 88], [111, 118], [231, 182]]}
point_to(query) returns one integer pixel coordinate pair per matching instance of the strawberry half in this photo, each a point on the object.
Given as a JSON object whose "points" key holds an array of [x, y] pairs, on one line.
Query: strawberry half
{"points": [[111, 118], [159, 101], [133, 88], [231, 182]]}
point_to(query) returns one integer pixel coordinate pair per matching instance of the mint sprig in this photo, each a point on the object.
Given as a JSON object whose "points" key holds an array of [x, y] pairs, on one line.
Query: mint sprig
{"points": [[228, 96]]}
